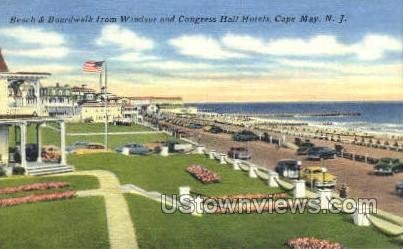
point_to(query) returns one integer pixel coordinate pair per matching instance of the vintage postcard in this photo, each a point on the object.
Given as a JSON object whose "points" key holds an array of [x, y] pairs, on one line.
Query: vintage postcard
{"points": [[201, 124]]}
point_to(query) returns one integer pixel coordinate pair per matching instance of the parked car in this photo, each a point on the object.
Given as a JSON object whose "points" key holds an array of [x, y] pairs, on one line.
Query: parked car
{"points": [[317, 153], [399, 188], [216, 130], [76, 145], [195, 126], [239, 153], [388, 166], [182, 133], [315, 176], [137, 149], [287, 168], [90, 148], [304, 147], [244, 136]]}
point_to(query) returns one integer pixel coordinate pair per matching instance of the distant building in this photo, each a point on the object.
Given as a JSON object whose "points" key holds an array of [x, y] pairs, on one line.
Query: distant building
{"points": [[20, 108], [95, 112], [82, 94], [58, 100]]}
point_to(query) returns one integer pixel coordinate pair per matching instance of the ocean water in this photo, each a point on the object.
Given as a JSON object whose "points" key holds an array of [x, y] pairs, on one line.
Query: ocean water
{"points": [[383, 117]]}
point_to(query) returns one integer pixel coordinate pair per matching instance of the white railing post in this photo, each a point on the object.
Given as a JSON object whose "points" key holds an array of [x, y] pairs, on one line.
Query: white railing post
{"points": [[325, 195], [272, 180], [164, 151], [200, 149], [360, 215], [235, 164], [299, 189], [212, 154], [252, 172], [223, 158]]}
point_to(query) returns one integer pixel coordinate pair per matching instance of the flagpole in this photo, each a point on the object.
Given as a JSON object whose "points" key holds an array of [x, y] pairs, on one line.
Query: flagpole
{"points": [[106, 107]]}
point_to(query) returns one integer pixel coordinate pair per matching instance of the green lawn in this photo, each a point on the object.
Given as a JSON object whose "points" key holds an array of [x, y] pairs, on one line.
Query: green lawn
{"points": [[157, 230], [99, 127], [118, 140], [76, 223], [166, 174], [52, 137]]}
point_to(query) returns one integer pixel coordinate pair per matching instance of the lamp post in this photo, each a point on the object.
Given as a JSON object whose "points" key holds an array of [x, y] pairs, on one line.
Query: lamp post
{"points": [[299, 165]]}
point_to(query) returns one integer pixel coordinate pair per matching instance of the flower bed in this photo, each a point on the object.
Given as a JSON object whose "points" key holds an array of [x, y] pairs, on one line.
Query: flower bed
{"points": [[311, 243], [33, 186], [36, 198], [251, 196], [202, 174]]}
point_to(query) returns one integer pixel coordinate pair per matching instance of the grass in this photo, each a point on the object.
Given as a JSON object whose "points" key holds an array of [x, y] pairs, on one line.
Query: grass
{"points": [[118, 140], [52, 137], [76, 223], [157, 230], [99, 127], [166, 174]]}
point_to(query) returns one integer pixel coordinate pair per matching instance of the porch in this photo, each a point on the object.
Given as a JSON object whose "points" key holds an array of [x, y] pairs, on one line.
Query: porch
{"points": [[35, 162]]}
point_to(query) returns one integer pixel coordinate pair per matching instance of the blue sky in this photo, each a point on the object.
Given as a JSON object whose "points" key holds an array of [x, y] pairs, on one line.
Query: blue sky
{"points": [[217, 61]]}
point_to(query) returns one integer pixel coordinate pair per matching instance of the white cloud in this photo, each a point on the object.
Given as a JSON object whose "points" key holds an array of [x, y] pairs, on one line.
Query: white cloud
{"points": [[123, 38], [175, 65], [36, 43], [51, 68], [134, 57], [371, 47], [45, 52], [201, 46], [34, 36]]}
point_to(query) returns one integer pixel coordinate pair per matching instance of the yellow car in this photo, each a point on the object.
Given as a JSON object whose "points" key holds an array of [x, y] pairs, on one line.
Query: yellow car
{"points": [[90, 149], [316, 176]]}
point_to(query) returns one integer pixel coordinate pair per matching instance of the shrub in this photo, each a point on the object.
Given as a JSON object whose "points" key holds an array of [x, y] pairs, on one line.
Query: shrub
{"points": [[18, 170], [2, 172]]}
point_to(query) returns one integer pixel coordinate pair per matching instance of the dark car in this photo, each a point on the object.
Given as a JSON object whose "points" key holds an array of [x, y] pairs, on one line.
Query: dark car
{"points": [[244, 136], [399, 188], [216, 130], [304, 147], [288, 168], [137, 149], [317, 153], [239, 153], [388, 166], [195, 126]]}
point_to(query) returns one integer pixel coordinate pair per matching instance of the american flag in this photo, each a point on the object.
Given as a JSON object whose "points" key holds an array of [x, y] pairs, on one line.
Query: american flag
{"points": [[93, 66]]}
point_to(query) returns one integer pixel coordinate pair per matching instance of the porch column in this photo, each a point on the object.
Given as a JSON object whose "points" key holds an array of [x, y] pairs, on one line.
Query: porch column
{"points": [[39, 142], [23, 134], [62, 142]]}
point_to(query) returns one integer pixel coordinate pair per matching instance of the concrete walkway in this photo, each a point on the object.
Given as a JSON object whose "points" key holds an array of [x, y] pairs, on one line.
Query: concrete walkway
{"points": [[120, 226]]}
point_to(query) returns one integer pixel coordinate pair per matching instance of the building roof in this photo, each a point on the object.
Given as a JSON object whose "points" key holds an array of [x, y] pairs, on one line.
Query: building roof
{"points": [[98, 104], [3, 65], [155, 98]]}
